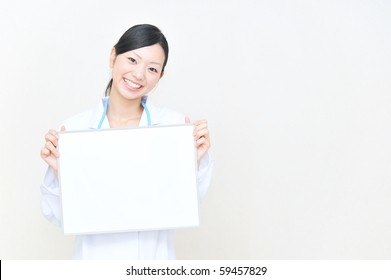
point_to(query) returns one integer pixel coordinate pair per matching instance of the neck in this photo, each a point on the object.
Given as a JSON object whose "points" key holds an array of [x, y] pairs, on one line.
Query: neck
{"points": [[123, 112]]}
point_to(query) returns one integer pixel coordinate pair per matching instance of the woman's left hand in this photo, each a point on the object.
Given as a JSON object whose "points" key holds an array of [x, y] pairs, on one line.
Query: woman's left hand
{"points": [[201, 136]]}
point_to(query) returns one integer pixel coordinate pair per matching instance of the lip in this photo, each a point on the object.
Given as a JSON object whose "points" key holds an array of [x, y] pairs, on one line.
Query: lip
{"points": [[128, 85]]}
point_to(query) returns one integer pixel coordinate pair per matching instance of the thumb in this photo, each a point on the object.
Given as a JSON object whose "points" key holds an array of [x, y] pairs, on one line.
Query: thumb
{"points": [[187, 120]]}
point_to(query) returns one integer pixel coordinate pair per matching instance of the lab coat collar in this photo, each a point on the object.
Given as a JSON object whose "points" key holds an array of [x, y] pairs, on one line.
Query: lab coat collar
{"points": [[99, 108]]}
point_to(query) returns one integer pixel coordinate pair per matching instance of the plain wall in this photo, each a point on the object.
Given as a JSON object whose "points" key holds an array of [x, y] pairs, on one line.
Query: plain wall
{"points": [[298, 98]]}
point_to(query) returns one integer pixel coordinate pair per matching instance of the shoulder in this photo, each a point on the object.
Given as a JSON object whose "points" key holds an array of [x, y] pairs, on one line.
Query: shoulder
{"points": [[86, 119], [165, 116], [78, 121]]}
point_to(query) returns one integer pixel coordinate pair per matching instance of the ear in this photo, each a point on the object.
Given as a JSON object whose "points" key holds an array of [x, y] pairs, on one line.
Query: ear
{"points": [[162, 74], [113, 55]]}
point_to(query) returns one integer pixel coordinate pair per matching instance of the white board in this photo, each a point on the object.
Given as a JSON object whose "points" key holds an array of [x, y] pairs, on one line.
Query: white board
{"points": [[117, 180]]}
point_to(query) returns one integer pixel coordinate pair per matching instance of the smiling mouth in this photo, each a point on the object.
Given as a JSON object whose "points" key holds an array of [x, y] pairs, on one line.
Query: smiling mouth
{"points": [[131, 84]]}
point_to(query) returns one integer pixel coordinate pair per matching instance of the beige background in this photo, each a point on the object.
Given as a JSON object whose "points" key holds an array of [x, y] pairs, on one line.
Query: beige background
{"points": [[297, 94]]}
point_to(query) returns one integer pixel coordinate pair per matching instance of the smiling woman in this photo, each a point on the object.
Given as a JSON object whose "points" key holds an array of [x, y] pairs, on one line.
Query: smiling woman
{"points": [[137, 62], [139, 70], [137, 37], [135, 73]]}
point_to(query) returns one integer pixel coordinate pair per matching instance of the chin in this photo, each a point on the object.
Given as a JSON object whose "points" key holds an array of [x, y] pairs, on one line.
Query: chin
{"points": [[132, 96]]}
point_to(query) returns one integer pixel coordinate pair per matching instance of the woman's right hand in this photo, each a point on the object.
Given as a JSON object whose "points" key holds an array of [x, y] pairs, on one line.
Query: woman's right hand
{"points": [[49, 152]]}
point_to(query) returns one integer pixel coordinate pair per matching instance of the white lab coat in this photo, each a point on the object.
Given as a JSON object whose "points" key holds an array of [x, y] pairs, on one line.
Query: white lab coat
{"points": [[128, 245]]}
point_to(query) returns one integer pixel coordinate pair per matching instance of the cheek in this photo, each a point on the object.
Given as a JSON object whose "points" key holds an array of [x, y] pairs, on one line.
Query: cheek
{"points": [[152, 81], [116, 73], [120, 69]]}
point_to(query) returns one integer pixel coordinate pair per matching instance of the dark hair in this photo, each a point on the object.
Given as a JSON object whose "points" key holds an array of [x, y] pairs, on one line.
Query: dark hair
{"points": [[139, 36]]}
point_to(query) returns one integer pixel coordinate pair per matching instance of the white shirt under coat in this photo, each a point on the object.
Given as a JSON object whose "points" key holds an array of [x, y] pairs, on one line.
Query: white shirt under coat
{"points": [[129, 245]]}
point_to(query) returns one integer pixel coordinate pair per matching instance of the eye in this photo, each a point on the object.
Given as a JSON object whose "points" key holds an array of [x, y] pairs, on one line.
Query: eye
{"points": [[131, 59], [153, 70]]}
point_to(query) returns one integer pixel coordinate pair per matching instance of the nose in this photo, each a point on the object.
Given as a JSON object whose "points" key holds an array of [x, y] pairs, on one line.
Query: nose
{"points": [[138, 73]]}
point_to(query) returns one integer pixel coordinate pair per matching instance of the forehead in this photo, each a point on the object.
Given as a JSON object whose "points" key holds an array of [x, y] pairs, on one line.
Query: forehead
{"points": [[149, 54]]}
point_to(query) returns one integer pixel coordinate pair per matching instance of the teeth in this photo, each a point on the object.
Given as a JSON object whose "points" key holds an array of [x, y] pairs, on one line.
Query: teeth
{"points": [[133, 85]]}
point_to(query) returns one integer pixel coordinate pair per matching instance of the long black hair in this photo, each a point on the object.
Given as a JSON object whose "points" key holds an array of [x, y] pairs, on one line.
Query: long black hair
{"points": [[139, 36]]}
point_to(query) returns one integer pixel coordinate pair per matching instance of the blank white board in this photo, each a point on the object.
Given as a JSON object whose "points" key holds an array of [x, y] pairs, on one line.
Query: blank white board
{"points": [[118, 180]]}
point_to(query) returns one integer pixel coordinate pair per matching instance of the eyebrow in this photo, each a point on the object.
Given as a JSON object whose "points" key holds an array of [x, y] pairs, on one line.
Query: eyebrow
{"points": [[150, 62]]}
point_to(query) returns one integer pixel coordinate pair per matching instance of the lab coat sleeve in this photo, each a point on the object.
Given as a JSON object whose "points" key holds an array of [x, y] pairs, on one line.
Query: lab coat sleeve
{"points": [[50, 198], [204, 175]]}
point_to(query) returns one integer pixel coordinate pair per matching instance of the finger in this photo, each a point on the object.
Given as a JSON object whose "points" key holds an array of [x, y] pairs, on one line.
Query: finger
{"points": [[187, 120], [202, 124], [53, 132], [198, 122], [202, 133], [51, 138], [202, 142], [49, 145], [200, 127], [61, 129], [45, 153]]}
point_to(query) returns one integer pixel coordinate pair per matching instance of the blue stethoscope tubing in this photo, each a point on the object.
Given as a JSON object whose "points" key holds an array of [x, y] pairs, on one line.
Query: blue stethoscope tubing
{"points": [[105, 111]]}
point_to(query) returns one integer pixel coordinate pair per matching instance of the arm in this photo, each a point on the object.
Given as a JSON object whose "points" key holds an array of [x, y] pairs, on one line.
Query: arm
{"points": [[50, 197], [204, 175], [205, 163], [50, 190]]}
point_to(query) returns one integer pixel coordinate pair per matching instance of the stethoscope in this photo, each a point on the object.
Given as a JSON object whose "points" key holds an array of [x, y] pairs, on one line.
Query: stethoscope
{"points": [[106, 104]]}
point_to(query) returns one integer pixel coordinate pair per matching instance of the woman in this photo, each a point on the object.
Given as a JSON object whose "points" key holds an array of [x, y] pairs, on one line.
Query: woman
{"points": [[137, 61]]}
